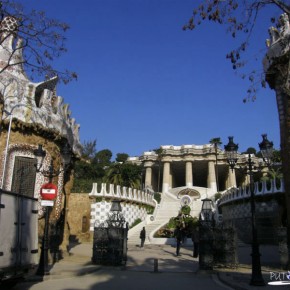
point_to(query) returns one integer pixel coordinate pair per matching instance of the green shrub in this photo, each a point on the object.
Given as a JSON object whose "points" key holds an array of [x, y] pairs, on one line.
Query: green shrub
{"points": [[185, 210], [172, 223], [149, 209], [83, 185], [135, 223], [187, 222], [164, 233], [157, 197]]}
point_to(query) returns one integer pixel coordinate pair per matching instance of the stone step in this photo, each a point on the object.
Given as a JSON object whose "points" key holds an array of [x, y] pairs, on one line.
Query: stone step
{"points": [[168, 208]]}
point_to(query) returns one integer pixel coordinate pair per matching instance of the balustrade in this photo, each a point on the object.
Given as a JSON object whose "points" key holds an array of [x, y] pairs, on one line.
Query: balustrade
{"points": [[261, 188], [123, 193]]}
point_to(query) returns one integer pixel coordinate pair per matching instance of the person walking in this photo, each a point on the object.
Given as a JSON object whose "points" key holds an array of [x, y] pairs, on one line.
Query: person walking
{"points": [[178, 235], [142, 237], [195, 240]]}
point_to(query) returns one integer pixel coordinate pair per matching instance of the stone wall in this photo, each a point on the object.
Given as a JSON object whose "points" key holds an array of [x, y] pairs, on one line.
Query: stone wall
{"points": [[85, 211], [79, 216], [131, 212], [269, 218]]}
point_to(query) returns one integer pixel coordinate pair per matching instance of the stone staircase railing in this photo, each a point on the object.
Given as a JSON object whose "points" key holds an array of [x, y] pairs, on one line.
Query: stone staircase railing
{"points": [[123, 193], [261, 188]]}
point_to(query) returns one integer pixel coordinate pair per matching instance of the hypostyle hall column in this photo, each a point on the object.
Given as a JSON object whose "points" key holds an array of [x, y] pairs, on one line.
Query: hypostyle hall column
{"points": [[211, 178], [188, 173], [166, 177], [148, 173], [231, 181]]}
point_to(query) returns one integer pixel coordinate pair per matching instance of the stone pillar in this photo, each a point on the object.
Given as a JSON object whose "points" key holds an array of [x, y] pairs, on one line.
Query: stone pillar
{"points": [[166, 177], [247, 180], [211, 178], [188, 173], [148, 174], [231, 182], [170, 179]]}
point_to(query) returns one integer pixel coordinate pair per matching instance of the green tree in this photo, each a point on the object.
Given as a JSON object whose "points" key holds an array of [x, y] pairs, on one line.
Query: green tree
{"points": [[85, 174], [273, 173], [124, 174], [122, 157], [277, 156], [131, 175], [87, 170], [251, 150], [114, 174], [103, 157]]}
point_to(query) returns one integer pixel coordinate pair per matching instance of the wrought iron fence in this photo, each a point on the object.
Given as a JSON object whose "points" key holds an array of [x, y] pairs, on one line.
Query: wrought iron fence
{"points": [[110, 241]]}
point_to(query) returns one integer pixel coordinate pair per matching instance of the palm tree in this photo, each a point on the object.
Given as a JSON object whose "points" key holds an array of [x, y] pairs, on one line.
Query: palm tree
{"points": [[273, 173], [216, 142], [114, 174], [123, 174], [131, 174]]}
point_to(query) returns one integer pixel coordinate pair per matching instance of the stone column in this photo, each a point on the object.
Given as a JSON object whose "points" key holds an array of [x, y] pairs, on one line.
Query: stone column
{"points": [[231, 181], [170, 178], [211, 178], [166, 177], [247, 180], [188, 173], [148, 174]]}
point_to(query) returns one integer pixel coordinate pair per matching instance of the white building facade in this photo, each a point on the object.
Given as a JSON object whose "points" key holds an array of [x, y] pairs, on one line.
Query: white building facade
{"points": [[190, 166]]}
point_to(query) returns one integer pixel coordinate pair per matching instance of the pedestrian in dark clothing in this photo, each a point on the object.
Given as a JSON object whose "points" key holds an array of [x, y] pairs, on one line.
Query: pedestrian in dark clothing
{"points": [[179, 236], [142, 237], [195, 240]]}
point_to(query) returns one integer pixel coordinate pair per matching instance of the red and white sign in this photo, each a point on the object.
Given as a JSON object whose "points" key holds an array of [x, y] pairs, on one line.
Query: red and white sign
{"points": [[48, 191], [47, 202]]}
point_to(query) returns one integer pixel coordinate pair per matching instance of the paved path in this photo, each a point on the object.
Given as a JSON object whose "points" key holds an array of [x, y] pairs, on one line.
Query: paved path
{"points": [[77, 273], [129, 280], [172, 272]]}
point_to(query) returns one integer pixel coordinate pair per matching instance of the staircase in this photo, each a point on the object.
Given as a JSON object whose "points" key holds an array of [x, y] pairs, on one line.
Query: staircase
{"points": [[168, 208]]}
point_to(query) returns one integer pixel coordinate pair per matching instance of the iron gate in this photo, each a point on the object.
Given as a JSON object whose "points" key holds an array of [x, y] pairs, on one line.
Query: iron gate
{"points": [[110, 241]]}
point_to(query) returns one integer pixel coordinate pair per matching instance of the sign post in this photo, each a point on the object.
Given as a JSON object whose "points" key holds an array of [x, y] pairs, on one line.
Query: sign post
{"points": [[48, 192]]}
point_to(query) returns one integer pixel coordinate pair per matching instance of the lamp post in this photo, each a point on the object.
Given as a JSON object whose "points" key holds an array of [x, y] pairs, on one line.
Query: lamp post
{"points": [[116, 218], [206, 210], [110, 238], [50, 173], [266, 148], [206, 235]]}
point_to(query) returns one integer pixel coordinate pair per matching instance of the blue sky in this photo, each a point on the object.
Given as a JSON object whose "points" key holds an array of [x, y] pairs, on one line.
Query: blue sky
{"points": [[144, 82]]}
